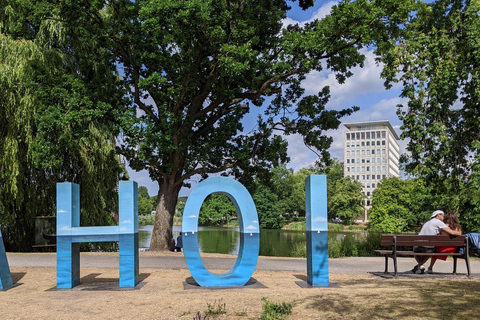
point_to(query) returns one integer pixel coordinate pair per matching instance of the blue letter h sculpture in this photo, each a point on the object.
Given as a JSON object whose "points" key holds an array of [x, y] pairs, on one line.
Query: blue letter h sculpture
{"points": [[70, 234]]}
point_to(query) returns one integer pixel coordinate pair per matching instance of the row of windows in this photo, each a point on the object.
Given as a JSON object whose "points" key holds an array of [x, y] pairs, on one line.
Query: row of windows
{"points": [[367, 160], [366, 135], [363, 143], [367, 169], [368, 177], [363, 152]]}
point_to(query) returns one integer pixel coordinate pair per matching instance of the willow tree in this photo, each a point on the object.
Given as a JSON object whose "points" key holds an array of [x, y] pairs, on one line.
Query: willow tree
{"points": [[195, 69], [52, 125]]}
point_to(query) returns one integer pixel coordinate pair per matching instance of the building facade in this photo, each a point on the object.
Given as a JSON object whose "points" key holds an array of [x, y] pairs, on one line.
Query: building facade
{"points": [[371, 153]]}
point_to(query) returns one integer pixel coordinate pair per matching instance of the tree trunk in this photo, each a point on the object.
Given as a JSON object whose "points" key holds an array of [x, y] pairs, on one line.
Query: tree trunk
{"points": [[162, 229]]}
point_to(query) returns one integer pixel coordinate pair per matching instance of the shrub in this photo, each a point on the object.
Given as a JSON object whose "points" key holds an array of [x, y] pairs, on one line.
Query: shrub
{"points": [[273, 311]]}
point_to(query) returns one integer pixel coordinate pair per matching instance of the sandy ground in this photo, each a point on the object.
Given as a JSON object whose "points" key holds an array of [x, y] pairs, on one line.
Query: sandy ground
{"points": [[161, 295]]}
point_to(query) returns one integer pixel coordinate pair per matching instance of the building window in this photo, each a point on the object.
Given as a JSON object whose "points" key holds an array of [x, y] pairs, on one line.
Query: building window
{"points": [[348, 153], [368, 135], [378, 134], [373, 168], [358, 160], [378, 160], [368, 168], [368, 202], [363, 177], [368, 143], [358, 169], [363, 169], [348, 144], [348, 136], [358, 135], [378, 176], [358, 143], [368, 186], [368, 152], [378, 142], [383, 176], [384, 169], [348, 160], [373, 151], [363, 152], [378, 168], [373, 160], [383, 142], [383, 134], [368, 177], [373, 185], [383, 151], [363, 135], [368, 160], [358, 177], [363, 143], [358, 152]]}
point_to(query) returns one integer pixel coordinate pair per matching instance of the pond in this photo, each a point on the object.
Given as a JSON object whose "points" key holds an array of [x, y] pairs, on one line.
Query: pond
{"points": [[278, 243]]}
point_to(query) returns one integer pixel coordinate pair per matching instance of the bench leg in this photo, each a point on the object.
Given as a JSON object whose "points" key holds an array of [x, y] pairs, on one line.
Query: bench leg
{"points": [[395, 264], [454, 265], [386, 263], [467, 261]]}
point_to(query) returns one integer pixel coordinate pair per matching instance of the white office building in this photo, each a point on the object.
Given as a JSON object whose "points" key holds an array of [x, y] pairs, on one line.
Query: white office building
{"points": [[371, 153]]}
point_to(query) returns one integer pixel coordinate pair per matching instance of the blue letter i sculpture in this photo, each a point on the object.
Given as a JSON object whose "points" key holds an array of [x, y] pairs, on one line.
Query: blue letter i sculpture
{"points": [[5, 276], [317, 230], [70, 234]]}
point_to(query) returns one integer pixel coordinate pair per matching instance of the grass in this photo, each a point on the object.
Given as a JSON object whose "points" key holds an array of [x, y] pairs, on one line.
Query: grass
{"points": [[274, 311]]}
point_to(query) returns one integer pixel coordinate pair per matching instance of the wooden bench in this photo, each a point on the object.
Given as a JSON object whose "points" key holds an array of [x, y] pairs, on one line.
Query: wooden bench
{"points": [[397, 241]]}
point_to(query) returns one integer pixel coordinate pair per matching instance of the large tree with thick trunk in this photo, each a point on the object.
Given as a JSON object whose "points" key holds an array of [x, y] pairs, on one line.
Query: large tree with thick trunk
{"points": [[195, 69]]}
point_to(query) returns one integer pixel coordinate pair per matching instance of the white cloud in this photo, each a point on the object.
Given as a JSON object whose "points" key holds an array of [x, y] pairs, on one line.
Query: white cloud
{"points": [[321, 13], [251, 228], [320, 219], [192, 216], [62, 211]]}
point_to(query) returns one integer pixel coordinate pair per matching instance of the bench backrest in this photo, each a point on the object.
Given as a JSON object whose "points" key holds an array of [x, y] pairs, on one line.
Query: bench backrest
{"points": [[416, 240]]}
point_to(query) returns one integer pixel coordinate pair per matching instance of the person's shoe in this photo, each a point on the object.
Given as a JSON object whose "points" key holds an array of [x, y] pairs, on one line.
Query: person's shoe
{"points": [[429, 271], [415, 269], [422, 269]]}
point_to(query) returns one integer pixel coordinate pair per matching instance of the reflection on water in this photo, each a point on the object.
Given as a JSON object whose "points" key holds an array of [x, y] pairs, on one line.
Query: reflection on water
{"points": [[278, 243]]}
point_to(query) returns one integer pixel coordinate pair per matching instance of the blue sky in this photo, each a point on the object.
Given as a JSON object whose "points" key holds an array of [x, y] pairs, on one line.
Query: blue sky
{"points": [[364, 89]]}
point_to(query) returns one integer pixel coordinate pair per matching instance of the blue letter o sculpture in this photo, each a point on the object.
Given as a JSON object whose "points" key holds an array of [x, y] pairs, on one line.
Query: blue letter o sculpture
{"points": [[247, 257]]}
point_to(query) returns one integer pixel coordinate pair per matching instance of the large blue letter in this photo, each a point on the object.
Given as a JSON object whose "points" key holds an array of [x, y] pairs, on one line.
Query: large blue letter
{"points": [[249, 233], [70, 234], [317, 230], [5, 276]]}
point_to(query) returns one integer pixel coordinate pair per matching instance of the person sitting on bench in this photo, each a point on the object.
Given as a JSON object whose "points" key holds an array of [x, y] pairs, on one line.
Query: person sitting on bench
{"points": [[432, 227]]}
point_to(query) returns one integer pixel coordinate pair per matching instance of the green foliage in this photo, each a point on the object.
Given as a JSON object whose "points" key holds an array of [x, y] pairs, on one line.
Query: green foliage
{"points": [[347, 202], [145, 206], [436, 61], [216, 210], [146, 220], [217, 308], [55, 123], [335, 227], [400, 205], [274, 311], [268, 209]]}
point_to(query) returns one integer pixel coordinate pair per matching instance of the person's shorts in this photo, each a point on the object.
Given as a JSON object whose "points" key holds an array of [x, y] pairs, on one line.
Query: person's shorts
{"points": [[421, 249]]}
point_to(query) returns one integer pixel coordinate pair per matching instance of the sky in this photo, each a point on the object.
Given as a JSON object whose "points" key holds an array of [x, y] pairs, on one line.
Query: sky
{"points": [[364, 89]]}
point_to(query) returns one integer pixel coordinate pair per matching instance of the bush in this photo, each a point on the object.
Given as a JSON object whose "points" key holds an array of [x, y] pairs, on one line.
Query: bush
{"points": [[335, 227], [146, 220], [273, 311]]}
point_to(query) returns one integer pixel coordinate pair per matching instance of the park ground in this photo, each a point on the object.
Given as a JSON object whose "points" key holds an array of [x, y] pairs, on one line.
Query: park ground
{"points": [[162, 294]]}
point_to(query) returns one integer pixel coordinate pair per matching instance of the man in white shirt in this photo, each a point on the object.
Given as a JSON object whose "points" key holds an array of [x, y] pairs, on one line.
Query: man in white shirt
{"points": [[431, 228]]}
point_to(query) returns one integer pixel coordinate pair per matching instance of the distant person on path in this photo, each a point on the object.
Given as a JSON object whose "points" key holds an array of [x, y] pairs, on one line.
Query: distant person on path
{"points": [[432, 227], [451, 220], [179, 245], [172, 245]]}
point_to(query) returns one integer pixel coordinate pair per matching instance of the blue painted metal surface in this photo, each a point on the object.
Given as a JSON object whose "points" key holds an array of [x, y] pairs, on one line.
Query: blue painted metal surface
{"points": [[5, 275], [247, 257], [317, 230], [70, 234]]}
